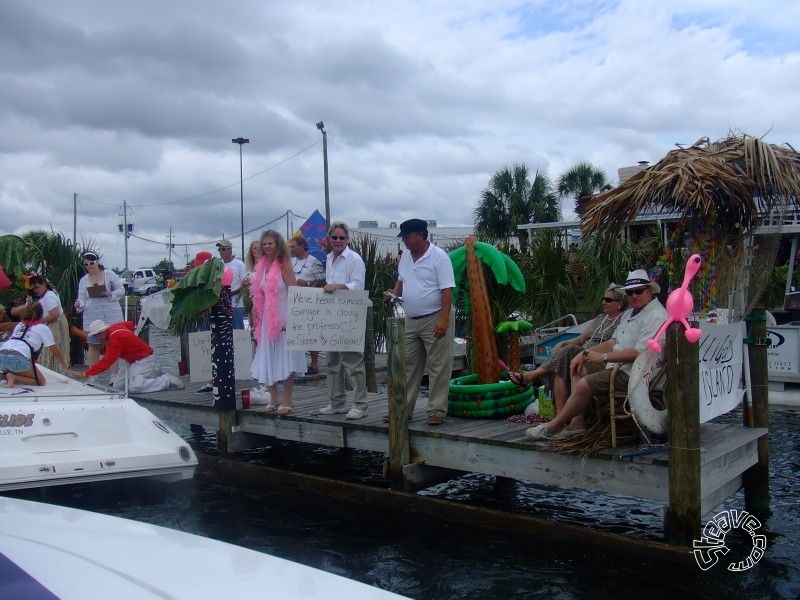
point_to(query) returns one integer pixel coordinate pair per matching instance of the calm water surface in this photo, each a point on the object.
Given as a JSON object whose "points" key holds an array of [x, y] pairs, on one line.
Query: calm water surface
{"points": [[423, 557]]}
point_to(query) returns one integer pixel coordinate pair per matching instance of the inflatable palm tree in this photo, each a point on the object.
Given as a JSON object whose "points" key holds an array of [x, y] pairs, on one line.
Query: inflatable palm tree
{"points": [[470, 260]]}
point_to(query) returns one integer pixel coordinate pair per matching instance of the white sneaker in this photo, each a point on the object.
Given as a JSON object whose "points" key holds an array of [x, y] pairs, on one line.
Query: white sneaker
{"points": [[332, 410], [540, 432], [175, 381], [260, 397], [355, 413]]}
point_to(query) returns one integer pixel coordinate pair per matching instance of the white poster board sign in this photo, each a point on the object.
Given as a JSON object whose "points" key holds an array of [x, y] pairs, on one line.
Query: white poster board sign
{"points": [[721, 359], [200, 355], [782, 354], [334, 322]]}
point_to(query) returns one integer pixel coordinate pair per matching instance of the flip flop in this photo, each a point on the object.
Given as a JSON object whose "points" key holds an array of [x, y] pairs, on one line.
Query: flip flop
{"points": [[270, 408], [283, 410]]}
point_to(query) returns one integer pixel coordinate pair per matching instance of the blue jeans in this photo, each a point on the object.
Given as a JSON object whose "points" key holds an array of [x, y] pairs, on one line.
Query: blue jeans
{"points": [[238, 317]]}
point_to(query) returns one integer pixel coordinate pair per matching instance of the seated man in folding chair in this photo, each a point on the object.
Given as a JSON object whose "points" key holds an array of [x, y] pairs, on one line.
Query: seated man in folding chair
{"points": [[121, 342], [638, 324]]}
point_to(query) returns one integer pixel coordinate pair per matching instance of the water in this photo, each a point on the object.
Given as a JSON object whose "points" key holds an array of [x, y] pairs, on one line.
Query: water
{"points": [[423, 557]]}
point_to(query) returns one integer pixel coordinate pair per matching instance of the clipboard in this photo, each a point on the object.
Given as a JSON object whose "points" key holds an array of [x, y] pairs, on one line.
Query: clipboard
{"points": [[96, 291]]}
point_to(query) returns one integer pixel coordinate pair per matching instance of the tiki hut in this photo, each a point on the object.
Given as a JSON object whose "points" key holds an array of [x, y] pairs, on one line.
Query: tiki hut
{"points": [[722, 192]]}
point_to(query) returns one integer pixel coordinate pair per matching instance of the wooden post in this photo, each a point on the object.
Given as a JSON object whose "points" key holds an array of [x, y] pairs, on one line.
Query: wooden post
{"points": [[682, 519], [398, 406], [369, 351], [756, 478]]}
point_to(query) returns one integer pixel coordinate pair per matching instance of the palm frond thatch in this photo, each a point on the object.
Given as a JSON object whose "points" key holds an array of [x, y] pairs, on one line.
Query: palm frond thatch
{"points": [[736, 179]]}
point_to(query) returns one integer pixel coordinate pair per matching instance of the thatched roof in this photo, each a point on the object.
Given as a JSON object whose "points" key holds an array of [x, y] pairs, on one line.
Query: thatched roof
{"points": [[736, 179]]}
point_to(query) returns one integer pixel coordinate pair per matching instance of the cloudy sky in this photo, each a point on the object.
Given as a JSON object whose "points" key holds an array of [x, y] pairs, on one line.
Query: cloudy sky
{"points": [[137, 102]]}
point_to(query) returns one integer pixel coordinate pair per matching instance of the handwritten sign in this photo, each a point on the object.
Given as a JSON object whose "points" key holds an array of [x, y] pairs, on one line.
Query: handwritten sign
{"points": [[200, 355], [334, 322], [721, 358]]}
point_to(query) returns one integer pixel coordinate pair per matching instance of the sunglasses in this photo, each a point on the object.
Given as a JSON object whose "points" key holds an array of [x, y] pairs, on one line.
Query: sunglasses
{"points": [[610, 300], [638, 292], [90, 263], [338, 237]]}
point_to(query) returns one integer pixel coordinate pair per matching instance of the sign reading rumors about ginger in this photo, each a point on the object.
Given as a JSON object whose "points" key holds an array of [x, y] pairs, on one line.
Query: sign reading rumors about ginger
{"points": [[334, 322]]}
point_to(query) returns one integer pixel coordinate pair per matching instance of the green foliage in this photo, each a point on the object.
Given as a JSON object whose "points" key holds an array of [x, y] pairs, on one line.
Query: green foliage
{"points": [[511, 199], [583, 179], [193, 294], [50, 254], [381, 274], [164, 266]]}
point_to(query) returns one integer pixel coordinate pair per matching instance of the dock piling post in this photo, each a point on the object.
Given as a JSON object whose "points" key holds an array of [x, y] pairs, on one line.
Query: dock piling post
{"points": [[369, 352], [398, 406], [756, 478], [682, 519]]}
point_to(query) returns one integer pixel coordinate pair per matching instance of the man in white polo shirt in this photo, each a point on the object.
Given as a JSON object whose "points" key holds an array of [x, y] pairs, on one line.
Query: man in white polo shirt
{"points": [[425, 281]]}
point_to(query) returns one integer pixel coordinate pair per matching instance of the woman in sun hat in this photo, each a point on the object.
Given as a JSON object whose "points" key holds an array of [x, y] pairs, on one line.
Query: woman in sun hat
{"points": [[99, 293], [557, 366]]}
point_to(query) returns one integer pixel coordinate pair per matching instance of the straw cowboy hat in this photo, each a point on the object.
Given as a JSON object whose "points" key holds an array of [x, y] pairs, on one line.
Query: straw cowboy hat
{"points": [[637, 279], [96, 326]]}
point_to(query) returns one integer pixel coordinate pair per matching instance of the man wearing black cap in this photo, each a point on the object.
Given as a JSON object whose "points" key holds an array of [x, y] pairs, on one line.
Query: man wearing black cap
{"points": [[425, 280]]}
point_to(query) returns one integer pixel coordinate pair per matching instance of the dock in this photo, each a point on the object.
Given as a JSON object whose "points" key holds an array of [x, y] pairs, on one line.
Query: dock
{"points": [[489, 446]]}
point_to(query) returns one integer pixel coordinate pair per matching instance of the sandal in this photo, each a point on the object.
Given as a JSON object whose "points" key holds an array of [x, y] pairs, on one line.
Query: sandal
{"points": [[270, 408], [283, 410]]}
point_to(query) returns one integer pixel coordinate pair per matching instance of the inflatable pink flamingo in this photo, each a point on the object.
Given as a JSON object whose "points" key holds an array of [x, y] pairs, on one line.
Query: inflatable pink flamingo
{"points": [[680, 304]]}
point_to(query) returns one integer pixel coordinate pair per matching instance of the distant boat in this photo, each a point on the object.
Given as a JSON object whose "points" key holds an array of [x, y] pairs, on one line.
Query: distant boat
{"points": [[69, 432], [53, 552]]}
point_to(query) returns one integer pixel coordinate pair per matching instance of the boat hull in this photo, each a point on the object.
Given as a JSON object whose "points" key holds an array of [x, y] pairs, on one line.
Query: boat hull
{"points": [[67, 432]]}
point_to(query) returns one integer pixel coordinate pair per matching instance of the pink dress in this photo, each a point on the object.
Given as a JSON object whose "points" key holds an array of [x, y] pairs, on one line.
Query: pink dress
{"points": [[273, 361]]}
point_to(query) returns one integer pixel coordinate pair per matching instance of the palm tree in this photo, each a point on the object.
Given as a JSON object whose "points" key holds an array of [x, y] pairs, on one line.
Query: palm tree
{"points": [[581, 180], [511, 200]]}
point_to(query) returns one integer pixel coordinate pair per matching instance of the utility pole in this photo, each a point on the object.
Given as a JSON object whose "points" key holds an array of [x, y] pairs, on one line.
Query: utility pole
{"points": [[125, 223], [125, 228], [241, 141], [75, 219], [321, 127], [169, 260]]}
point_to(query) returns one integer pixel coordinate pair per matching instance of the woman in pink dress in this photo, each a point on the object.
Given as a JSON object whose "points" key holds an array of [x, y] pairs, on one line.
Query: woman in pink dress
{"points": [[273, 361]]}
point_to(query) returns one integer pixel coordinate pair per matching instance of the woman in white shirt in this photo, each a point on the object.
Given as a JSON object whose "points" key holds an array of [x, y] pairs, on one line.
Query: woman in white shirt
{"points": [[99, 292], [18, 353], [53, 316]]}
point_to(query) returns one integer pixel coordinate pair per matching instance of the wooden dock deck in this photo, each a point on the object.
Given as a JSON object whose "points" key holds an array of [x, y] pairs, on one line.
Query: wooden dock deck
{"points": [[490, 446]]}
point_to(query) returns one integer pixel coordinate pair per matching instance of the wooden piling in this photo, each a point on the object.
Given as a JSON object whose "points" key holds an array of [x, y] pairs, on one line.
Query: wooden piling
{"points": [[756, 478], [682, 519], [398, 405], [369, 352]]}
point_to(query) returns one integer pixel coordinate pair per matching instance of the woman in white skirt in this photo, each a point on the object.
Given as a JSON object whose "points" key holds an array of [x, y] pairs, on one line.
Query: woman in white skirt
{"points": [[273, 361]]}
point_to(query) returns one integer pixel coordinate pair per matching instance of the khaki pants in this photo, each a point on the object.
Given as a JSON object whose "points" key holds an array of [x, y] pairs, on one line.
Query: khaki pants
{"points": [[423, 348]]}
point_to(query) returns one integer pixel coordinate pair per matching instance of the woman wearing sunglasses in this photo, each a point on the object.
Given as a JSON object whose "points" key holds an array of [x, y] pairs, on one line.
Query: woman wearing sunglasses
{"points": [[557, 365], [591, 369], [99, 292]]}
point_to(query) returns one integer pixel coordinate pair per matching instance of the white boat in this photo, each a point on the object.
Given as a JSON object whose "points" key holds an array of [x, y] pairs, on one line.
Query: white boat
{"points": [[56, 552], [69, 432]]}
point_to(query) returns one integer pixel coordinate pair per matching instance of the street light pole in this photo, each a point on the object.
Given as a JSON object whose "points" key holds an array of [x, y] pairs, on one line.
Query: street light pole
{"points": [[241, 141], [321, 127]]}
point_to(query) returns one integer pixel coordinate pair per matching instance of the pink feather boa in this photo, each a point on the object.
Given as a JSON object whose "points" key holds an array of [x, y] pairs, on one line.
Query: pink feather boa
{"points": [[267, 302]]}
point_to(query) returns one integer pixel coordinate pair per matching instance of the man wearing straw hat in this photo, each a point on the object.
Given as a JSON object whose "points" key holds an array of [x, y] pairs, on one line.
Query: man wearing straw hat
{"points": [[638, 324], [121, 342]]}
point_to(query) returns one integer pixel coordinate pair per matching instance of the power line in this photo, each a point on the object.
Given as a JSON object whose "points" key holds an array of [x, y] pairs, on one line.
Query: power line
{"points": [[220, 189], [216, 239]]}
